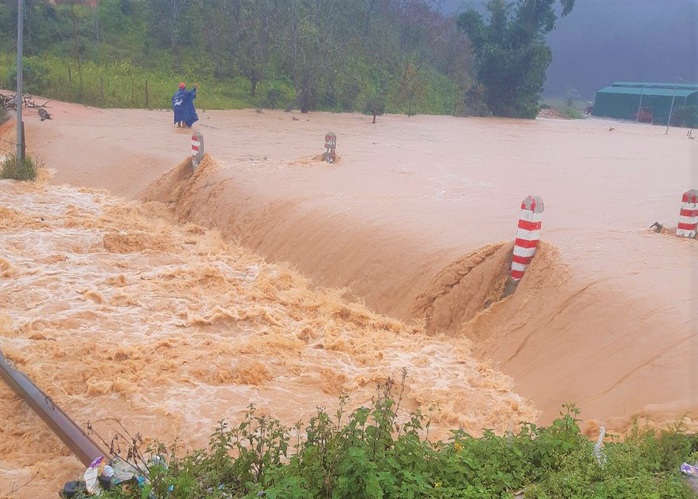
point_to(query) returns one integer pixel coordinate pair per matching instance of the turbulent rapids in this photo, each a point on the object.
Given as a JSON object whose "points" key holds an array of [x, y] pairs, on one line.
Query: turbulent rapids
{"points": [[266, 276]]}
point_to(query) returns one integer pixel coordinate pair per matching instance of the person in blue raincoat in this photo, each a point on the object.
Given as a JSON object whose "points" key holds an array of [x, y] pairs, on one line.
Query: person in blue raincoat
{"points": [[183, 106]]}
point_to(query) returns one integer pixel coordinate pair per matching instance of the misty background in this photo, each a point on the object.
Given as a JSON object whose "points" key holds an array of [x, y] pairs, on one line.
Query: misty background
{"points": [[603, 41]]}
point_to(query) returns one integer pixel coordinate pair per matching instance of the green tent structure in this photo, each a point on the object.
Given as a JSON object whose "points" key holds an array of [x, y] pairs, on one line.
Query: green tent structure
{"points": [[649, 102]]}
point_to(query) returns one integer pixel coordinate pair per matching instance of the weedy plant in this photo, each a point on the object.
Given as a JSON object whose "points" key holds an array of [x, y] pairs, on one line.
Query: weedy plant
{"points": [[373, 453], [13, 168]]}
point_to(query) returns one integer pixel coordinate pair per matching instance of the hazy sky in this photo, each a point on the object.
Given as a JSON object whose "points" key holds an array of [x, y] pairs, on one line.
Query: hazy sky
{"points": [[603, 41]]}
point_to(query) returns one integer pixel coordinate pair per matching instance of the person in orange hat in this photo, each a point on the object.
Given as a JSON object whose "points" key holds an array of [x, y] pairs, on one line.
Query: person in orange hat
{"points": [[183, 106]]}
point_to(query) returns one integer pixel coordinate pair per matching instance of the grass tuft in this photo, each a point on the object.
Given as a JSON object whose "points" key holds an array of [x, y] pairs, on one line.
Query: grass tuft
{"points": [[12, 168]]}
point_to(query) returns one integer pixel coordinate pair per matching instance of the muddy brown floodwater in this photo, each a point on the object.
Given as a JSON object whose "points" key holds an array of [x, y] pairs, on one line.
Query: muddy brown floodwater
{"points": [[131, 289]]}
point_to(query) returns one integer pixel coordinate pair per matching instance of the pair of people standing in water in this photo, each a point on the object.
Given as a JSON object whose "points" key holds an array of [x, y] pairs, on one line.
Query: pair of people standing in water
{"points": [[183, 106]]}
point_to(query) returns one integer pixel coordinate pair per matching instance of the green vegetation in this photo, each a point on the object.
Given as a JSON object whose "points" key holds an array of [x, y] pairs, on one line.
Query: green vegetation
{"points": [[571, 112], [392, 56], [12, 168], [331, 55], [123, 85], [512, 54], [567, 108], [373, 453]]}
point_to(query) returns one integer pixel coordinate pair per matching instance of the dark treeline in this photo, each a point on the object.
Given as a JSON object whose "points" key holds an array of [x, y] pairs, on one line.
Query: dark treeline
{"points": [[344, 55], [366, 55]]}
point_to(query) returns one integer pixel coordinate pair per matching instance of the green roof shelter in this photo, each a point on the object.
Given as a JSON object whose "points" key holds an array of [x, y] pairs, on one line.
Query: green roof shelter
{"points": [[649, 102]]}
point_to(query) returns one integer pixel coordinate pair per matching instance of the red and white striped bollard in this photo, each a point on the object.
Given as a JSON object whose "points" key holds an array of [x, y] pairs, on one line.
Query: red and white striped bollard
{"points": [[527, 236], [197, 148], [688, 218]]}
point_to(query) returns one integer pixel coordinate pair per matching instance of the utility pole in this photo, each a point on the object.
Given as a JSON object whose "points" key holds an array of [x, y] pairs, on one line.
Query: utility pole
{"points": [[671, 109], [18, 98]]}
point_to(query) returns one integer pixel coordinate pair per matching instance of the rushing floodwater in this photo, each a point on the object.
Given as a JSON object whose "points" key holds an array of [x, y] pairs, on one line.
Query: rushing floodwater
{"points": [[130, 311]]}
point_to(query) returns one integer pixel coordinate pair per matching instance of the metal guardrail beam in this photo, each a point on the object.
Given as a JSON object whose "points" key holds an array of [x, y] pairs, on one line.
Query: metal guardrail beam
{"points": [[65, 428]]}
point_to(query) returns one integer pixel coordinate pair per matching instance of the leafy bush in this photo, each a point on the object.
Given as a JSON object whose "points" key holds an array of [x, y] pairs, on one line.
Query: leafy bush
{"points": [[12, 168], [35, 75], [373, 453]]}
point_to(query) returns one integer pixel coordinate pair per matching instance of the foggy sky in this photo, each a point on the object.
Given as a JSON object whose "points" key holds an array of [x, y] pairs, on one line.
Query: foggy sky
{"points": [[603, 41]]}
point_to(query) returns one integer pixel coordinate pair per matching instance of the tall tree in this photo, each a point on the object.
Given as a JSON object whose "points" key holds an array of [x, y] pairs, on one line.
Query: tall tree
{"points": [[511, 52], [219, 35], [310, 47], [166, 21], [45, 26], [254, 39]]}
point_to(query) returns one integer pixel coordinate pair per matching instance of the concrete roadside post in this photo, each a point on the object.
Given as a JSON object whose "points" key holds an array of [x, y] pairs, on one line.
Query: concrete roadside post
{"points": [[197, 148], [527, 237], [688, 218], [330, 145]]}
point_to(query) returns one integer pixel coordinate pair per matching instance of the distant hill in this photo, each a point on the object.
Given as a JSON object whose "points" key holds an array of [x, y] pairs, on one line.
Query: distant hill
{"points": [[603, 41]]}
